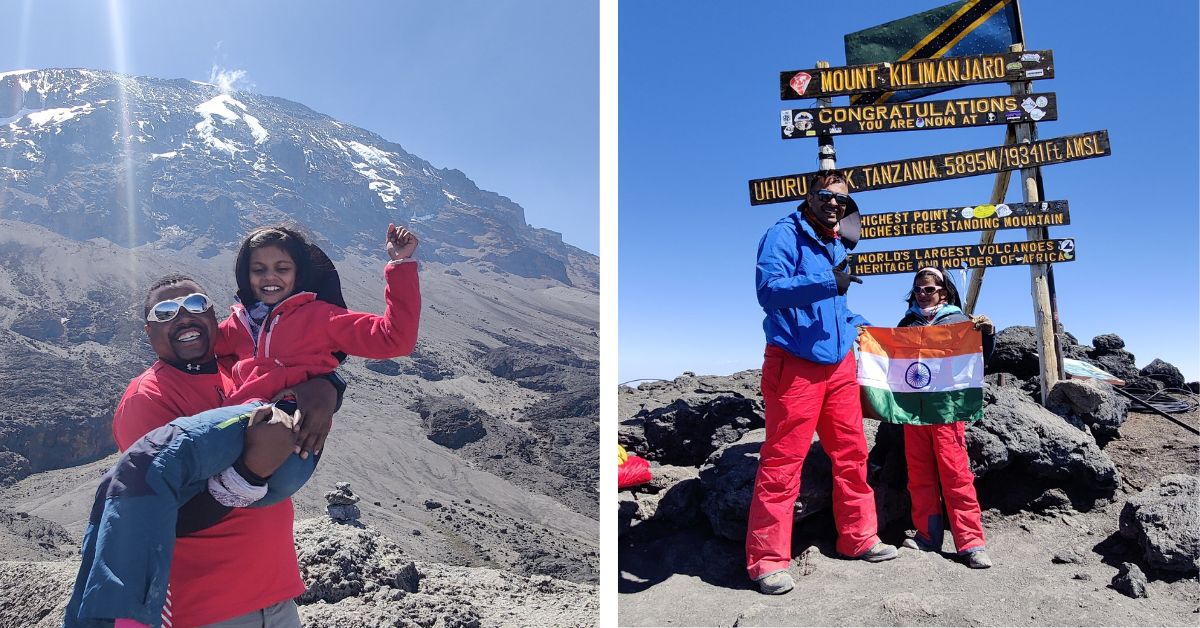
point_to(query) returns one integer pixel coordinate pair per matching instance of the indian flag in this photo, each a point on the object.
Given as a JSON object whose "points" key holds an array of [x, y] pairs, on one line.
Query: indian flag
{"points": [[921, 375]]}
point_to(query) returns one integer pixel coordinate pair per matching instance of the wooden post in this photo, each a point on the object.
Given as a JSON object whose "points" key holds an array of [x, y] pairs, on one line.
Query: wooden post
{"points": [[1043, 316], [826, 156], [999, 189]]}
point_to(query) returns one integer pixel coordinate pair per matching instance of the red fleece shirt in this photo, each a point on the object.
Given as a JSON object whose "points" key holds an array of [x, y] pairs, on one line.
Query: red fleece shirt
{"points": [[297, 341], [245, 562]]}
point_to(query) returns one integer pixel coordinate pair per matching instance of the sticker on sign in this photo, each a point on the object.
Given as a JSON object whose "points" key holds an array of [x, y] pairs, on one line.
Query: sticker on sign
{"points": [[800, 82]]}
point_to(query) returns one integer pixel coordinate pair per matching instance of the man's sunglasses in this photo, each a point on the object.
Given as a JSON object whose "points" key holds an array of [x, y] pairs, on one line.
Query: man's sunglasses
{"points": [[166, 311], [925, 289], [825, 196]]}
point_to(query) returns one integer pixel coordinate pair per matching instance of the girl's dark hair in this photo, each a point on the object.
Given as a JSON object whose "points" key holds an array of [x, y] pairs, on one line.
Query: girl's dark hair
{"points": [[314, 270], [946, 284]]}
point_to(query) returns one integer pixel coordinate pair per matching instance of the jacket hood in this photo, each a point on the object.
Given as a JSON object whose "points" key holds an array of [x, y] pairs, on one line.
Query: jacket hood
{"points": [[849, 227], [288, 304]]}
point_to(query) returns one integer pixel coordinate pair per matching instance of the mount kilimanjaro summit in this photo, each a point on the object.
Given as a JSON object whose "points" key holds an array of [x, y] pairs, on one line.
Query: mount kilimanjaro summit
{"points": [[478, 450]]}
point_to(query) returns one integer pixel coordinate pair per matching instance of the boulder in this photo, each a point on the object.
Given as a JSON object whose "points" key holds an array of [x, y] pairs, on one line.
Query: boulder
{"points": [[1107, 342], [1142, 385], [1130, 581], [1164, 372], [1016, 352], [13, 467], [1164, 520], [1052, 501], [1018, 443], [631, 433], [1089, 402], [452, 421], [689, 429], [728, 481], [1119, 362], [671, 497], [635, 405]]}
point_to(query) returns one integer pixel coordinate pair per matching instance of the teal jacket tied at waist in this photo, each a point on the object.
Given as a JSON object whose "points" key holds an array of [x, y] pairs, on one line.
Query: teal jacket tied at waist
{"points": [[794, 278]]}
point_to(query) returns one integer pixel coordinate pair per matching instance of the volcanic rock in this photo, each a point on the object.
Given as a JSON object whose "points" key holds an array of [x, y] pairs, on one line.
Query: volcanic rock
{"points": [[1164, 372], [693, 427], [452, 421], [1164, 519], [1131, 581], [1016, 352], [1089, 402], [672, 497], [342, 504], [359, 578], [1105, 343], [728, 480], [13, 467], [1018, 443]]}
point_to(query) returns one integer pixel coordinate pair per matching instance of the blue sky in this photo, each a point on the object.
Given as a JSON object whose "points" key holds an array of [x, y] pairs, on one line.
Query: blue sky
{"points": [[505, 90], [699, 116]]}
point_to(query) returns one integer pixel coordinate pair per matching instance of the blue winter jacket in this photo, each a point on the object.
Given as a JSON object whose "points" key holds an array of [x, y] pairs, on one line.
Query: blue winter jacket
{"points": [[804, 313], [130, 537]]}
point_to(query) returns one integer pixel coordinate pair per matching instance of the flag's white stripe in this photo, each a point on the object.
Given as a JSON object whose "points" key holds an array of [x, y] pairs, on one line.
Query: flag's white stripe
{"points": [[945, 374]]}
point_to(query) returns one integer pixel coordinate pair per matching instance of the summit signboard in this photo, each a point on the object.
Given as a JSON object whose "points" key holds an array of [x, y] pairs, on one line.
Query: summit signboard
{"points": [[943, 72]]}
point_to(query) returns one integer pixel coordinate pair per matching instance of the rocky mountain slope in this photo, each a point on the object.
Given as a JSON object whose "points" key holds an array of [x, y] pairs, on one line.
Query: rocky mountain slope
{"points": [[355, 577], [108, 181]]}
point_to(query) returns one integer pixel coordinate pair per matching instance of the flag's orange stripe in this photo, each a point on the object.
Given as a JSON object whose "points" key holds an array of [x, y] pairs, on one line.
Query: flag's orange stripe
{"points": [[937, 341]]}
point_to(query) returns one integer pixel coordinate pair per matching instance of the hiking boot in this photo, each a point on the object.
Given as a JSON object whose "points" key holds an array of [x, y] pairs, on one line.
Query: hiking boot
{"points": [[878, 553], [978, 559], [776, 583], [917, 544]]}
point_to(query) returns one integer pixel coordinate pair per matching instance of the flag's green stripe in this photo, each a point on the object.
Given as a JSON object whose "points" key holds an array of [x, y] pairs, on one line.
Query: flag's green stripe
{"points": [[887, 42], [922, 408]]}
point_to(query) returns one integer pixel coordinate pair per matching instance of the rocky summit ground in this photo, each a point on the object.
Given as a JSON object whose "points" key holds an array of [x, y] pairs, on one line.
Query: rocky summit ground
{"points": [[1056, 540]]}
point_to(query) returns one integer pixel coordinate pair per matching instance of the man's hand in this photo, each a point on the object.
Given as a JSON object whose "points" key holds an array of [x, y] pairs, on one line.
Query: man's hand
{"points": [[984, 324], [316, 400], [269, 440], [843, 278]]}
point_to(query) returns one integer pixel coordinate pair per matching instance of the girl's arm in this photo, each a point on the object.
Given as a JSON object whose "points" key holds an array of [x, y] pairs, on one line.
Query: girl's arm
{"points": [[379, 337]]}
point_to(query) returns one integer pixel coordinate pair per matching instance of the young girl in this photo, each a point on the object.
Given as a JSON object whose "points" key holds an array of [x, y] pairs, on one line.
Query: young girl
{"points": [[291, 325], [937, 454]]}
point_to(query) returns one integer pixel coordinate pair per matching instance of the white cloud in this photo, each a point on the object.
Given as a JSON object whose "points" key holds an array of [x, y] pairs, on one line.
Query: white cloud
{"points": [[228, 80]]}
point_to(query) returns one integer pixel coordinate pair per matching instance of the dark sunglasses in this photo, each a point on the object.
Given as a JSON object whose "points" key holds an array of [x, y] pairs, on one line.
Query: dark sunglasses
{"points": [[925, 289], [825, 196], [166, 311]]}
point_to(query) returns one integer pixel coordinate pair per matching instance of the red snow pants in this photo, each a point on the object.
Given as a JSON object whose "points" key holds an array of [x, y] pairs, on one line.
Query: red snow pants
{"points": [[940, 472], [801, 397]]}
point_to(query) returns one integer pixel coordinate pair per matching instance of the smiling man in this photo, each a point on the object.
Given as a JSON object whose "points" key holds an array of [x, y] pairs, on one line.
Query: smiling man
{"points": [[229, 565], [809, 384]]}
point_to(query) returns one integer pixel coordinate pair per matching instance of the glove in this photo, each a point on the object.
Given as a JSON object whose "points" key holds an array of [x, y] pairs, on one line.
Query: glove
{"points": [[984, 325], [843, 278]]}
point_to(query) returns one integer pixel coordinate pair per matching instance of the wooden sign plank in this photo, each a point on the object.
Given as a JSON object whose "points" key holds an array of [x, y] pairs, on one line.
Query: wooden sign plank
{"points": [[890, 174], [963, 256], [1000, 67], [959, 219], [917, 116]]}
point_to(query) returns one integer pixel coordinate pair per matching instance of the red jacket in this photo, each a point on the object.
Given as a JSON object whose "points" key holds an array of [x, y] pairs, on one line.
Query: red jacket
{"points": [[299, 337], [246, 561]]}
